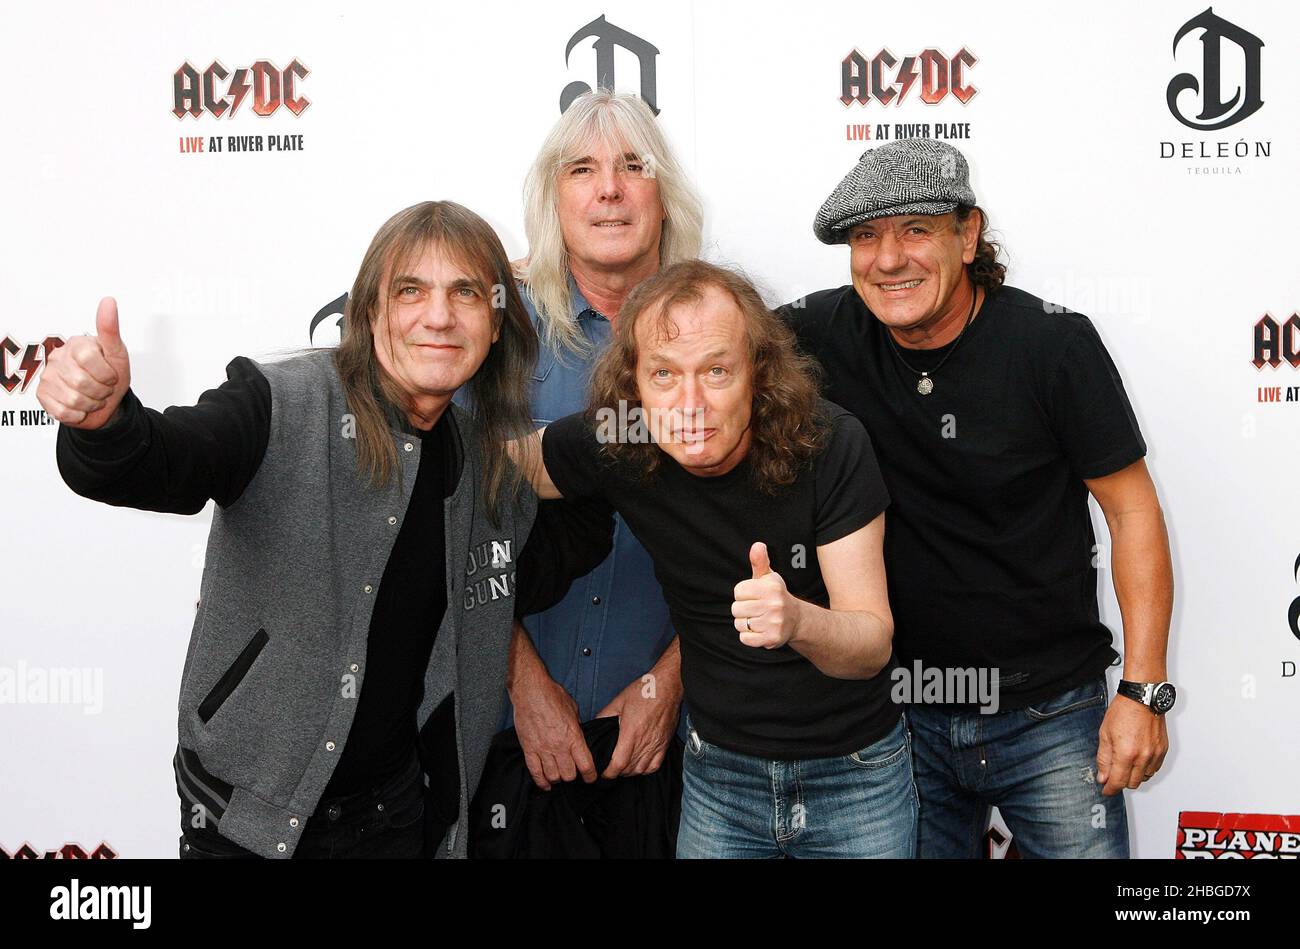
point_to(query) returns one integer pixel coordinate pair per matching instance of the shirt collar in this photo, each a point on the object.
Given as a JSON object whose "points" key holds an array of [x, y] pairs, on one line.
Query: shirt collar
{"points": [[578, 304]]}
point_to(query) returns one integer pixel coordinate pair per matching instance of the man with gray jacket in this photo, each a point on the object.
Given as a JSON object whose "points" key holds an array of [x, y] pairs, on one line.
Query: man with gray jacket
{"points": [[360, 578]]}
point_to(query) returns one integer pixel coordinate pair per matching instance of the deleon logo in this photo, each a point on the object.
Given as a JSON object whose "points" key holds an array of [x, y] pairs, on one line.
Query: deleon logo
{"points": [[863, 80], [608, 38], [18, 373], [1276, 342], [194, 92], [1216, 113], [1293, 613]]}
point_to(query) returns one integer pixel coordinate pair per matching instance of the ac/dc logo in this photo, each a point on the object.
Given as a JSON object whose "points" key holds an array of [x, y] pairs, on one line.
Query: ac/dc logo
{"points": [[1275, 342], [66, 852], [195, 92], [862, 79], [18, 373]]}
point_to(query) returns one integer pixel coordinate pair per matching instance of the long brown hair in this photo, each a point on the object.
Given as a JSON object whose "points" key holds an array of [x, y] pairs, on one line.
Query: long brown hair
{"points": [[786, 428], [985, 270], [497, 394]]}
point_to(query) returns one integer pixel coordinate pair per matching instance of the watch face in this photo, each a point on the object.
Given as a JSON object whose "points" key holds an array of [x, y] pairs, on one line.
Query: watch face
{"points": [[1163, 700]]}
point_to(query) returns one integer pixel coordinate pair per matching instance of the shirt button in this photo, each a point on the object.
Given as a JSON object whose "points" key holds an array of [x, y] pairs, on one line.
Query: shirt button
{"points": [[368, 588], [329, 746], [354, 667], [595, 601], [392, 520], [586, 650], [409, 447], [281, 847], [293, 822], [379, 806]]}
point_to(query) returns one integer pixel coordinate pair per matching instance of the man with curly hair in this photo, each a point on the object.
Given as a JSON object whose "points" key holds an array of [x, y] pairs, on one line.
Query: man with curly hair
{"points": [[763, 510], [996, 414]]}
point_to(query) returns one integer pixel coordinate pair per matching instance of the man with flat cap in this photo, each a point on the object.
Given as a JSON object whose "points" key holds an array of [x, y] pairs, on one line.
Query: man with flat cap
{"points": [[994, 415]]}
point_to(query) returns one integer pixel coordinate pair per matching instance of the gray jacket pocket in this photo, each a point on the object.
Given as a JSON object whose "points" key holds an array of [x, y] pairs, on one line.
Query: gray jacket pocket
{"points": [[230, 680]]}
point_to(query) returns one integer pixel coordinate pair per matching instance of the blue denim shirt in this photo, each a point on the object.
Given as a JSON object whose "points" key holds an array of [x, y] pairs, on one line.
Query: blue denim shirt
{"points": [[613, 625]]}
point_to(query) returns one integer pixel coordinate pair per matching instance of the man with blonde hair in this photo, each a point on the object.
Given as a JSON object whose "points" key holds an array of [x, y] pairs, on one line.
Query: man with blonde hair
{"points": [[606, 205]]}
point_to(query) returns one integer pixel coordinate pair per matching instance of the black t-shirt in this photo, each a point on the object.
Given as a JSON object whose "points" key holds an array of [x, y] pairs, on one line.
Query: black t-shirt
{"points": [[989, 546], [772, 703], [409, 607]]}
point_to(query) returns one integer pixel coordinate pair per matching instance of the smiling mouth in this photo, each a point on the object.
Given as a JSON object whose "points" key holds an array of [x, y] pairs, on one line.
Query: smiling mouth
{"points": [[896, 287], [610, 224]]}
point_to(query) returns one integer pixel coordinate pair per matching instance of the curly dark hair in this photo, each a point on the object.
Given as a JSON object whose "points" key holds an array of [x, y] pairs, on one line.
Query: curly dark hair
{"points": [[787, 429], [985, 270]]}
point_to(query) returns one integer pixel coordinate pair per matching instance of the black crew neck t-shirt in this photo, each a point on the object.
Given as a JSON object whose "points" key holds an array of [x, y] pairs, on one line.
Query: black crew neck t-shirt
{"points": [[989, 545], [409, 606], [772, 703]]}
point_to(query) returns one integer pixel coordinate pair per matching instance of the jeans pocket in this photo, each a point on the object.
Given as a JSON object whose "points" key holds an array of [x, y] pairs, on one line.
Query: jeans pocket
{"points": [[694, 743], [194, 847], [884, 752], [405, 809], [1085, 696]]}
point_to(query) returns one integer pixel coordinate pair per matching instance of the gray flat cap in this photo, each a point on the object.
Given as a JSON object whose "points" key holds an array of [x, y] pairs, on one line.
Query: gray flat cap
{"points": [[909, 176]]}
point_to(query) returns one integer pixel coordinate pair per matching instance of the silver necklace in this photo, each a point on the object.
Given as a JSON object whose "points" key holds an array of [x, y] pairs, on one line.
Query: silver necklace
{"points": [[925, 384]]}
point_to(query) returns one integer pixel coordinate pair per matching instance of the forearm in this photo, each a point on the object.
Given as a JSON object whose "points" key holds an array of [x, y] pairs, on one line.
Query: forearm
{"points": [[108, 464], [175, 461], [1144, 587], [666, 674], [524, 666], [844, 644], [526, 453]]}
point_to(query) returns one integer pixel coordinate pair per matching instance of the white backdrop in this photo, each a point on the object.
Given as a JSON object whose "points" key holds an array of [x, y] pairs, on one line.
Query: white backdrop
{"points": [[214, 255]]}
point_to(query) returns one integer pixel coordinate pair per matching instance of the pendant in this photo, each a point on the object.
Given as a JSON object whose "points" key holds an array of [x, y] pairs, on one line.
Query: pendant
{"points": [[925, 385]]}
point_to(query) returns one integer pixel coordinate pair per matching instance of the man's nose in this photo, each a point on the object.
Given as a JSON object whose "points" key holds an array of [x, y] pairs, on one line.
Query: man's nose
{"points": [[439, 314], [693, 397], [610, 183], [890, 254]]}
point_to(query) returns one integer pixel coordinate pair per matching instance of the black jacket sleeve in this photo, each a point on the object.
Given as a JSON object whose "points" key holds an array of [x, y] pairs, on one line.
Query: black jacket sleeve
{"points": [[569, 539], [176, 460]]}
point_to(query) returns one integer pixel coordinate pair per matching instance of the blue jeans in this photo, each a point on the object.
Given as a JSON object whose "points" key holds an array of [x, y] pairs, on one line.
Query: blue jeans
{"points": [[1037, 765], [858, 805]]}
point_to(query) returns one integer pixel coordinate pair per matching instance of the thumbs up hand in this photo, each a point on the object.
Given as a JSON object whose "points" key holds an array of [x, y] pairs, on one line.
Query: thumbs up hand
{"points": [[765, 613], [84, 381]]}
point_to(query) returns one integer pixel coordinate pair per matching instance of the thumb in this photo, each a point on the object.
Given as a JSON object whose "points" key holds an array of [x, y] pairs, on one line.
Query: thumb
{"points": [[106, 328], [758, 560]]}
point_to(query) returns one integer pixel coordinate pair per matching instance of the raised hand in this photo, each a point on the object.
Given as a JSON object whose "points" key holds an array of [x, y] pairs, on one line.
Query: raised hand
{"points": [[765, 613], [84, 381]]}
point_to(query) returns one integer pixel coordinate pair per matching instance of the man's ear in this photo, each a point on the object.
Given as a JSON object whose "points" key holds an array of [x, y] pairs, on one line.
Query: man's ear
{"points": [[971, 235]]}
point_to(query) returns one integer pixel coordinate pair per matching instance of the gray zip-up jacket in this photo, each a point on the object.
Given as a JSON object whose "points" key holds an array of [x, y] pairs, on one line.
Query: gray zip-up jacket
{"points": [[277, 656]]}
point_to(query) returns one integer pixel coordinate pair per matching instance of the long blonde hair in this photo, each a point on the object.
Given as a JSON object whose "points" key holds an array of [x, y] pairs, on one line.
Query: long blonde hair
{"points": [[624, 123]]}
